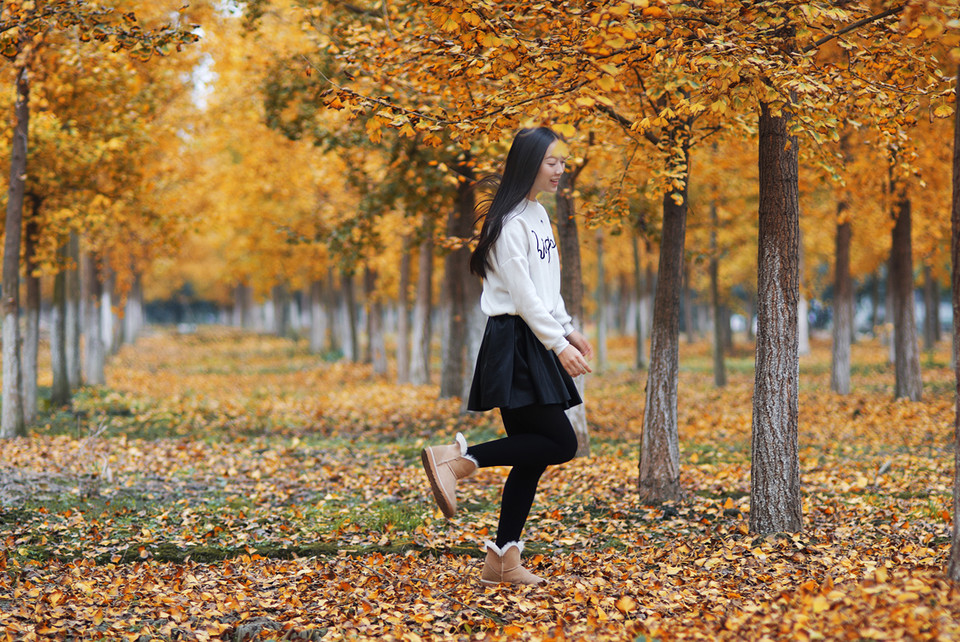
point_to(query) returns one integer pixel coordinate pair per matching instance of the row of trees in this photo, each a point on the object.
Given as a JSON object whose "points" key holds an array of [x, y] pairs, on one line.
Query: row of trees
{"points": [[328, 144]]}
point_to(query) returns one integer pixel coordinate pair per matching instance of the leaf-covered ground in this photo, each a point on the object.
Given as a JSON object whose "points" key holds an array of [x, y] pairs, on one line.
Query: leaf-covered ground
{"points": [[232, 486]]}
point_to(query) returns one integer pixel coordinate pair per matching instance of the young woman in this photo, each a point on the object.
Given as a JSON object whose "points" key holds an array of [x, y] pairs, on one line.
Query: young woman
{"points": [[529, 354]]}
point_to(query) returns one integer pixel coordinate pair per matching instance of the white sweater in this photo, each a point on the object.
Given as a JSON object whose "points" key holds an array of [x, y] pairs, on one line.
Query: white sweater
{"points": [[523, 276]]}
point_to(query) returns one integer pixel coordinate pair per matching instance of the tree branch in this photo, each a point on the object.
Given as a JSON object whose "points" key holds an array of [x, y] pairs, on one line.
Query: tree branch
{"points": [[854, 26]]}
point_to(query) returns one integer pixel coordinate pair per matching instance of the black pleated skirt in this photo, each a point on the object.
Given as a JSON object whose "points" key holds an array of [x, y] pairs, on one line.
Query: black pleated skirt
{"points": [[515, 370]]}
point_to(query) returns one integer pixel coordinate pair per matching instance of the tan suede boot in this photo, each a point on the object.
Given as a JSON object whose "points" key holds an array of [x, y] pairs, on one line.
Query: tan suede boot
{"points": [[444, 466], [503, 566]]}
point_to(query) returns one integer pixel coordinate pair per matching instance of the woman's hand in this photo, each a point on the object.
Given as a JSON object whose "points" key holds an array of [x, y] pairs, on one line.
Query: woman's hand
{"points": [[573, 361], [580, 343]]}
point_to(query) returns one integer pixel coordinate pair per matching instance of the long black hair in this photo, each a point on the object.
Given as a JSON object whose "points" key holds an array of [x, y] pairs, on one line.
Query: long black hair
{"points": [[519, 174]]}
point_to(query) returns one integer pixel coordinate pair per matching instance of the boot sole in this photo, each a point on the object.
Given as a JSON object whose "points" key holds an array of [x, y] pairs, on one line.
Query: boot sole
{"points": [[430, 467]]}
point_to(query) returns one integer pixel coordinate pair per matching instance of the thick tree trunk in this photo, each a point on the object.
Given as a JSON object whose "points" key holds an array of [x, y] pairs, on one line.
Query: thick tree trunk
{"points": [[571, 289], [842, 310], [953, 569], [74, 313], [94, 355], [31, 342], [906, 351], [775, 473], [376, 343], [11, 422], [403, 314], [457, 271], [422, 313], [640, 359], [719, 368], [60, 392], [659, 478]]}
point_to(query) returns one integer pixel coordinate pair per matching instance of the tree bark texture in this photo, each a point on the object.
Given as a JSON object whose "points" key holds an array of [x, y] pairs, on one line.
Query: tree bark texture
{"points": [[842, 308], [659, 478], [775, 472], [571, 289], [60, 392], [93, 353], [907, 383], [11, 422], [31, 339], [422, 314], [456, 273], [953, 569], [719, 368]]}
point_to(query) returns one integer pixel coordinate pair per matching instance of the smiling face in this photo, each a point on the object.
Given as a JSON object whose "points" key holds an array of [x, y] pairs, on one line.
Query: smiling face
{"points": [[551, 169]]}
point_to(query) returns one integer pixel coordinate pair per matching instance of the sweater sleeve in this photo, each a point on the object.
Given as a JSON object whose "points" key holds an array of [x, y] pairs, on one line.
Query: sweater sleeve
{"points": [[515, 271]]}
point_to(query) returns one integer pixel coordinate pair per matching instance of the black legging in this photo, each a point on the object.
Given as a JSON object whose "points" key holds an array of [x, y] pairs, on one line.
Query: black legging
{"points": [[537, 437]]}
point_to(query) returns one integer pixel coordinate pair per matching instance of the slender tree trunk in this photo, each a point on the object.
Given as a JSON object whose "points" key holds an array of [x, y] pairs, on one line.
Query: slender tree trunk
{"points": [[94, 357], [842, 310], [334, 346], [719, 368], [349, 302], [375, 341], [403, 314], [107, 326], [60, 392], [318, 324], [423, 312], [953, 570], [12, 422], [659, 478], [31, 343], [640, 360], [74, 313], [457, 271], [775, 473], [281, 310], [571, 289], [906, 351], [133, 311], [931, 303], [603, 314]]}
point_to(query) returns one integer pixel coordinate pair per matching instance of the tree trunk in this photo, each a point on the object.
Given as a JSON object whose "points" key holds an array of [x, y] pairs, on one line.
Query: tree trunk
{"points": [[133, 313], [719, 368], [106, 309], [74, 313], [94, 357], [571, 289], [31, 343], [318, 324], [403, 314], [659, 478], [906, 351], [60, 392], [953, 570], [422, 312], [349, 302], [775, 473], [931, 304], [457, 271], [640, 360], [11, 422], [602, 307], [376, 344], [842, 308], [334, 346], [281, 310]]}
